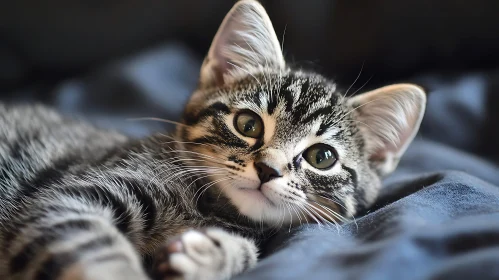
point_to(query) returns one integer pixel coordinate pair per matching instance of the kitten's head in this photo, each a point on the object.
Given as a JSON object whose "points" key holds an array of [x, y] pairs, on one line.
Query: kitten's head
{"points": [[283, 144]]}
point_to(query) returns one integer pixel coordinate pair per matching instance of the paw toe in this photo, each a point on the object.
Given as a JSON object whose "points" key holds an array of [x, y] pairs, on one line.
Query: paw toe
{"points": [[190, 254]]}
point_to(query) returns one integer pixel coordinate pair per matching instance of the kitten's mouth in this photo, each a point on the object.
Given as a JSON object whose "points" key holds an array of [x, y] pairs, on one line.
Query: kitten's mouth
{"points": [[258, 194]]}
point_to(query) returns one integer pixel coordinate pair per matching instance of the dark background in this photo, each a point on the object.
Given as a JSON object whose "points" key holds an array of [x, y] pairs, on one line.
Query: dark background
{"points": [[436, 217], [393, 39]]}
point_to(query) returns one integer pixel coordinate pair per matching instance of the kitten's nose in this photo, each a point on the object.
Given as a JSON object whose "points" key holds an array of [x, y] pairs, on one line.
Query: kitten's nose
{"points": [[266, 172]]}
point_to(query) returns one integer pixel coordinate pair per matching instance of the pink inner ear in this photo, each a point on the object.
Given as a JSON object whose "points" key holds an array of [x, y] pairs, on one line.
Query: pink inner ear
{"points": [[389, 149], [217, 59], [378, 156], [404, 135], [391, 116], [220, 48], [218, 69]]}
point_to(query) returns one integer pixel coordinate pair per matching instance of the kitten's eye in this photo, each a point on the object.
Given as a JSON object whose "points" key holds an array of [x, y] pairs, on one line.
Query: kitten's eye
{"points": [[249, 124], [320, 156]]}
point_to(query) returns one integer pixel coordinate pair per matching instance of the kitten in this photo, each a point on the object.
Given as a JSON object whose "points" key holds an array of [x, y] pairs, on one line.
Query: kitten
{"points": [[261, 145]]}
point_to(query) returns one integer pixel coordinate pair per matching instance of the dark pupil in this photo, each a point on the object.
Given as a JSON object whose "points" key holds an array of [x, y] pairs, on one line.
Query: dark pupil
{"points": [[323, 155], [250, 125]]}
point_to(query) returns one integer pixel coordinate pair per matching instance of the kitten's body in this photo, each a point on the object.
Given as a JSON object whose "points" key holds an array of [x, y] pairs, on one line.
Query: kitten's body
{"points": [[51, 166], [81, 203]]}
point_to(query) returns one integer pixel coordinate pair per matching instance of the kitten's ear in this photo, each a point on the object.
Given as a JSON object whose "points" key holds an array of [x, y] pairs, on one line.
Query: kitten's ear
{"points": [[245, 41], [390, 116]]}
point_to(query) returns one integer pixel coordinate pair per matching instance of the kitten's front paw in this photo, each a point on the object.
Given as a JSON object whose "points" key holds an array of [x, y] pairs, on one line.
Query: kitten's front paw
{"points": [[192, 255], [210, 254]]}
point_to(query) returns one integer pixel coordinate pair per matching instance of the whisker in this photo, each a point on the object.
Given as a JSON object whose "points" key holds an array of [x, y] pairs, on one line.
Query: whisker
{"points": [[358, 76], [329, 221], [181, 174], [283, 34], [332, 212], [362, 85], [310, 214], [330, 199], [192, 143], [184, 171], [197, 154], [282, 211], [327, 208], [156, 119], [186, 160], [296, 212], [337, 202], [206, 186]]}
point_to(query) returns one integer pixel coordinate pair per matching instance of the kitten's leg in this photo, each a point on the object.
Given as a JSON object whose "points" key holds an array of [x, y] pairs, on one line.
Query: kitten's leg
{"points": [[210, 254], [67, 239]]}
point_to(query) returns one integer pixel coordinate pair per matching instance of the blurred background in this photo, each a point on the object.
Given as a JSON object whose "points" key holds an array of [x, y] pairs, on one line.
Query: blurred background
{"points": [[108, 61]]}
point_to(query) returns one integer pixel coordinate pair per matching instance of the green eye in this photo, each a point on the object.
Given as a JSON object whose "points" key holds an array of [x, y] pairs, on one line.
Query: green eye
{"points": [[249, 124], [320, 156]]}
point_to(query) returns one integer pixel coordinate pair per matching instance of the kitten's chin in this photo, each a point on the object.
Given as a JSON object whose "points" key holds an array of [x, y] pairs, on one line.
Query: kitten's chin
{"points": [[254, 204]]}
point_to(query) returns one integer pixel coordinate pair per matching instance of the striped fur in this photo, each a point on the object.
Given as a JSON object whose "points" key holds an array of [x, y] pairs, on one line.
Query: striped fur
{"points": [[73, 195], [77, 202]]}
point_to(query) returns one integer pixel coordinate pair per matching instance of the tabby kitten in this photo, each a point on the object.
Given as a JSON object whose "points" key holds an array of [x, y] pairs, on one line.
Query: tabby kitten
{"points": [[261, 145]]}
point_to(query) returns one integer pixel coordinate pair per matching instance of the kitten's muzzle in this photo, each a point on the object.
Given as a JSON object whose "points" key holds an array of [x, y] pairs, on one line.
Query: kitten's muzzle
{"points": [[266, 171]]}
